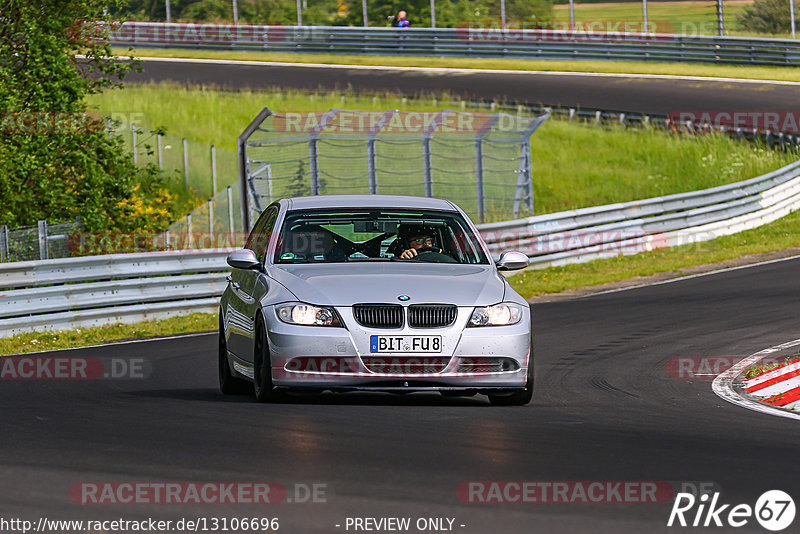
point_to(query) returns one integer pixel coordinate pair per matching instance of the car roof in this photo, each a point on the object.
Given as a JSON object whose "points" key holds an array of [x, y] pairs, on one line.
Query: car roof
{"points": [[369, 201]]}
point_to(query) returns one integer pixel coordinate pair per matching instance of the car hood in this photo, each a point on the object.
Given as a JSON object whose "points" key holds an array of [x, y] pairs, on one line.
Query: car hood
{"points": [[345, 284]]}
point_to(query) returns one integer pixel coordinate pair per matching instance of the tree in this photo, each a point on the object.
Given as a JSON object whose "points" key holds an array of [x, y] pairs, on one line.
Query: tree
{"points": [[56, 161], [766, 16]]}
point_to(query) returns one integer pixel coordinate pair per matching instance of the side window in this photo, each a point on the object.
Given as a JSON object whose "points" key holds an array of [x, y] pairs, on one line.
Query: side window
{"points": [[262, 231]]}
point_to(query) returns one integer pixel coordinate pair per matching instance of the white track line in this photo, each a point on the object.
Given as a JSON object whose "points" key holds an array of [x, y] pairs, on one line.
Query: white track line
{"points": [[146, 340], [688, 277], [451, 70], [723, 384]]}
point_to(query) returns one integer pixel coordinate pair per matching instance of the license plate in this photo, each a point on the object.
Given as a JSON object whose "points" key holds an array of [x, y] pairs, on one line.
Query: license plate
{"points": [[405, 343]]}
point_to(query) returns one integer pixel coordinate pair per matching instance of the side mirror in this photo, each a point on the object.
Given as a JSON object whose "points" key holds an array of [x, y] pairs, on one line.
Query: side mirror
{"points": [[244, 259], [512, 261]]}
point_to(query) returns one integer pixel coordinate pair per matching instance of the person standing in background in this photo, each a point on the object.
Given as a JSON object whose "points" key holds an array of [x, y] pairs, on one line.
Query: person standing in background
{"points": [[402, 20]]}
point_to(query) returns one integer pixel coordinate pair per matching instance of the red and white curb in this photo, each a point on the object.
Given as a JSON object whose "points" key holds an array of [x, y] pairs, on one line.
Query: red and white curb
{"points": [[775, 392], [779, 386]]}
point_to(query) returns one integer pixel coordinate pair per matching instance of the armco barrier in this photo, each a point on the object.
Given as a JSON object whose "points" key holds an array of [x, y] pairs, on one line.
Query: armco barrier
{"points": [[462, 42], [94, 290], [110, 288], [631, 227]]}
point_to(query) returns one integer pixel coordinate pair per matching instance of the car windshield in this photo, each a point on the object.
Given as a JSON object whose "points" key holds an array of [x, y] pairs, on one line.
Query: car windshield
{"points": [[336, 236]]}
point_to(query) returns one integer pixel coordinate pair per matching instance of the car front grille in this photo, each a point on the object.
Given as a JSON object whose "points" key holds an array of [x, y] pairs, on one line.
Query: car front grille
{"points": [[379, 315], [431, 315], [405, 365]]}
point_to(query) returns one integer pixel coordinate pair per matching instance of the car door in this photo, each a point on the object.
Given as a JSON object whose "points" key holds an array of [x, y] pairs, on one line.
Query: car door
{"points": [[243, 305]]}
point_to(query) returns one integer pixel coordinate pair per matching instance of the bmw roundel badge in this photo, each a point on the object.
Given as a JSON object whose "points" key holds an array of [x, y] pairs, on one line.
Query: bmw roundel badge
{"points": [[403, 298]]}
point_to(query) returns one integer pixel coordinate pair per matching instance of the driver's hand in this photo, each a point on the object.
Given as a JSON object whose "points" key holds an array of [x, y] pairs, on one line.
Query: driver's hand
{"points": [[408, 254]]}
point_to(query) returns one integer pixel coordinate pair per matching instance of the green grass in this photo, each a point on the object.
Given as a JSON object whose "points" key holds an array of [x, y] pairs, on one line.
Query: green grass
{"points": [[81, 337], [632, 67], [778, 235], [758, 369], [692, 18], [575, 165]]}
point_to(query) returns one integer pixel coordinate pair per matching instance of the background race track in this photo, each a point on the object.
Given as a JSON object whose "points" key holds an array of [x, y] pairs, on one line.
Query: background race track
{"points": [[605, 408], [628, 93]]}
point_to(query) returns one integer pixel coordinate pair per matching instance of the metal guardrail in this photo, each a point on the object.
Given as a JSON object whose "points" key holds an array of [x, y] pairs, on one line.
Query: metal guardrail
{"points": [[462, 42], [122, 288], [95, 290], [627, 228]]}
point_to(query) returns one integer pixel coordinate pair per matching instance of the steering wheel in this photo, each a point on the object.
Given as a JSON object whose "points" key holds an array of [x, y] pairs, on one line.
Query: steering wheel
{"points": [[432, 255]]}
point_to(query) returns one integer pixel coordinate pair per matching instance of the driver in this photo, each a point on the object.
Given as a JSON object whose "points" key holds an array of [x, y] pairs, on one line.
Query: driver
{"points": [[417, 238]]}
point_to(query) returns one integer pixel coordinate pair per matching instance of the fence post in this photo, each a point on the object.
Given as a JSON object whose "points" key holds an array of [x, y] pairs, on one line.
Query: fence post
{"points": [[3, 242], [186, 163], [211, 218], [230, 210], [43, 252], [213, 170], [108, 127], [312, 163], [426, 162], [133, 140], [371, 170], [188, 231], [269, 181], [479, 177], [160, 153]]}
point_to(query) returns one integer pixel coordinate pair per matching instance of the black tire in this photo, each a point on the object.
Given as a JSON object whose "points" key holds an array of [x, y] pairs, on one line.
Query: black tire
{"points": [[228, 384], [517, 398], [262, 367]]}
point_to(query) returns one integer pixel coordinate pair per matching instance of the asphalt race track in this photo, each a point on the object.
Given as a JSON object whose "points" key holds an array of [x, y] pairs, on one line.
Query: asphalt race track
{"points": [[614, 93], [605, 409]]}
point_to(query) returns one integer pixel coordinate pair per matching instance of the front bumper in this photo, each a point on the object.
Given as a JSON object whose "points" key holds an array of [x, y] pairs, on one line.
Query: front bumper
{"points": [[334, 357]]}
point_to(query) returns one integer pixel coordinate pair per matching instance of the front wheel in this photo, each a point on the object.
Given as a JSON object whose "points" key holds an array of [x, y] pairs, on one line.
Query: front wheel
{"points": [[262, 367]]}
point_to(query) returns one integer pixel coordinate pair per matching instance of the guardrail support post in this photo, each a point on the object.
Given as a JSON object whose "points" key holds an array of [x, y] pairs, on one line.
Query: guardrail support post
{"points": [[186, 163], [43, 252], [213, 170], [426, 162], [133, 144]]}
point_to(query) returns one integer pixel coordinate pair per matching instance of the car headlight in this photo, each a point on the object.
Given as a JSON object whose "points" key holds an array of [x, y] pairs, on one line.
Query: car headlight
{"points": [[307, 314], [497, 315]]}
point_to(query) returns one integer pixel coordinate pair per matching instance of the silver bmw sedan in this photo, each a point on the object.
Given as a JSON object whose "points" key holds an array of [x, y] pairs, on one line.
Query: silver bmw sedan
{"points": [[373, 292]]}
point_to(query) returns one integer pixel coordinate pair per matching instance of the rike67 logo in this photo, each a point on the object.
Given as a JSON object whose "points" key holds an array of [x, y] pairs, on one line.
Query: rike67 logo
{"points": [[774, 510]]}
